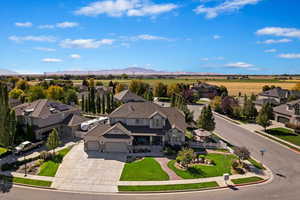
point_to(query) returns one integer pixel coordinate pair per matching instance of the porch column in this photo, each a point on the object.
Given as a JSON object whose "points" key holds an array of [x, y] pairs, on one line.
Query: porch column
{"points": [[151, 140]]}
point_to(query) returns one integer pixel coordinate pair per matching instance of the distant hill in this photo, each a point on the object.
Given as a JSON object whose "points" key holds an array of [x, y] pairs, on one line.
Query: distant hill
{"points": [[129, 71], [7, 72]]}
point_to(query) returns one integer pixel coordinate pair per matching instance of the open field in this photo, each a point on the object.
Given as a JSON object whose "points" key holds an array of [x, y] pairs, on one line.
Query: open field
{"points": [[234, 86]]}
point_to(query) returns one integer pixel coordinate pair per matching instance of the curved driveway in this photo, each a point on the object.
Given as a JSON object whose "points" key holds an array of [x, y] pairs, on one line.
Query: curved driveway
{"points": [[283, 162]]}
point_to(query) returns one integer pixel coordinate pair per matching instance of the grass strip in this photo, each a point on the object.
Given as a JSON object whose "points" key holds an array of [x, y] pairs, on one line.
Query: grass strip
{"points": [[192, 186], [26, 181], [246, 180], [256, 164]]}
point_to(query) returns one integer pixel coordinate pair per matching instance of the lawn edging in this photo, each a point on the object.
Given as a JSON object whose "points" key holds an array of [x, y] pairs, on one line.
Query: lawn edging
{"points": [[250, 182]]}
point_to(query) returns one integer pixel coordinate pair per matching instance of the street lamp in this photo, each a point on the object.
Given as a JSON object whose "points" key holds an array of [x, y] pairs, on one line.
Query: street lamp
{"points": [[262, 153]]}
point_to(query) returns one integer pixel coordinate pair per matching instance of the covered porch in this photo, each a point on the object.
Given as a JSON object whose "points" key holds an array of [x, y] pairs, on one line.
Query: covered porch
{"points": [[142, 140]]}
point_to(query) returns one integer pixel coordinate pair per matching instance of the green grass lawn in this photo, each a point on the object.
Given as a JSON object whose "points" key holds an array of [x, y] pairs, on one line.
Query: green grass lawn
{"points": [[27, 181], [49, 168], [285, 134], [256, 164], [223, 165], [246, 180], [169, 187], [147, 169], [2, 150]]}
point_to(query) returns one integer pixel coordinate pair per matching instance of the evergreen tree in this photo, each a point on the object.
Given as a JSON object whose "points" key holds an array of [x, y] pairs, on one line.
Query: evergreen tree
{"points": [[108, 106], [82, 103], [30, 135], [206, 119], [173, 100], [98, 104], [103, 104], [249, 110], [149, 95], [92, 106], [53, 140]]}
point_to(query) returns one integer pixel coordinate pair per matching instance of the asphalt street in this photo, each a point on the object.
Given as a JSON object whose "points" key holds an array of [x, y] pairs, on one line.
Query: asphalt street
{"points": [[284, 163]]}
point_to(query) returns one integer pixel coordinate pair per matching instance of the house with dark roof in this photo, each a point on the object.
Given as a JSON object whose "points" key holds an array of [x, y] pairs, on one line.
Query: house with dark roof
{"points": [[137, 124], [288, 113], [277, 95], [43, 115], [205, 90], [126, 96]]}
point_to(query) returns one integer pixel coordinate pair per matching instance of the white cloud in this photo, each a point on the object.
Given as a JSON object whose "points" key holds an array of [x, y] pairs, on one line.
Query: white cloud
{"points": [[75, 56], [213, 58], [204, 59], [278, 31], [290, 56], [148, 37], [118, 8], [32, 38], [216, 37], [67, 24], [271, 41], [46, 26], [226, 7], [44, 49], [270, 50], [51, 60], [239, 65], [85, 43], [23, 24]]}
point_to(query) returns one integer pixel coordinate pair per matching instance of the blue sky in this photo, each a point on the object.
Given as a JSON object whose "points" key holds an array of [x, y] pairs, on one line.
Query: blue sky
{"points": [[216, 36]]}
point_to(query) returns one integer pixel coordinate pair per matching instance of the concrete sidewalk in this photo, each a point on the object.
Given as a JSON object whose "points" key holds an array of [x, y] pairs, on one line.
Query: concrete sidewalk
{"points": [[29, 176], [219, 180]]}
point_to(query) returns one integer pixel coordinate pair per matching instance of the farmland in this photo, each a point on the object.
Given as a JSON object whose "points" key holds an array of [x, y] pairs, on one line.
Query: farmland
{"points": [[234, 86]]}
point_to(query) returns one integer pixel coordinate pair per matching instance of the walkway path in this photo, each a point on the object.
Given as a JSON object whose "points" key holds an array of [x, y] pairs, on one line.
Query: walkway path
{"points": [[29, 176], [163, 161]]}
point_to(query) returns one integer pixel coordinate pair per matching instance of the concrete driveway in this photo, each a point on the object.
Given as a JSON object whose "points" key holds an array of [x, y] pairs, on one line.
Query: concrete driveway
{"points": [[90, 172]]}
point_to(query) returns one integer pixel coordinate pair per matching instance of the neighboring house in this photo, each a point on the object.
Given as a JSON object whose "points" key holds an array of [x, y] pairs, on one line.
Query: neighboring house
{"points": [[204, 90], [204, 140], [138, 124], [126, 96], [288, 113], [277, 96], [260, 102], [43, 115]]}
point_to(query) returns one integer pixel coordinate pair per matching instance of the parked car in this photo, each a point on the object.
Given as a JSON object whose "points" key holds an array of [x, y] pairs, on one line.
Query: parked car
{"points": [[27, 146]]}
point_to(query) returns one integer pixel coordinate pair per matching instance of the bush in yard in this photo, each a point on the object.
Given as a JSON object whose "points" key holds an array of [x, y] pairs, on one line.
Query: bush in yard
{"points": [[45, 155], [53, 140], [242, 152], [185, 157]]}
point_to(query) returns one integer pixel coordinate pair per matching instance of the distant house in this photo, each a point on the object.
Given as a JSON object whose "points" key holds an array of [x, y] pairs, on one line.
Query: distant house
{"points": [[288, 113], [275, 96], [204, 90], [126, 96], [43, 115], [138, 124]]}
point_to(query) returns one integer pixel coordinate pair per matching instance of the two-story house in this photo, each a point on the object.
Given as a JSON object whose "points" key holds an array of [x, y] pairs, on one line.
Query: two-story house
{"points": [[137, 124], [288, 113], [275, 97], [43, 115], [205, 90]]}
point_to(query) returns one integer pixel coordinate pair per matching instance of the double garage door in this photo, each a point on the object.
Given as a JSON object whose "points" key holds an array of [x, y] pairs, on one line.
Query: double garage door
{"points": [[108, 147]]}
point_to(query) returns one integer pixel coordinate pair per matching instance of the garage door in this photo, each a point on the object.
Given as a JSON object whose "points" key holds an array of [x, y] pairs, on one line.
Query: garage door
{"points": [[283, 119], [93, 146], [116, 147]]}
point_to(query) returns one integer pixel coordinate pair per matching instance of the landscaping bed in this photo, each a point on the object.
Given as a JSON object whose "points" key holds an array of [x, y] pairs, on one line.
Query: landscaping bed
{"points": [[222, 165], [285, 134], [26, 181], [147, 169], [252, 179], [256, 164], [145, 188], [43, 165]]}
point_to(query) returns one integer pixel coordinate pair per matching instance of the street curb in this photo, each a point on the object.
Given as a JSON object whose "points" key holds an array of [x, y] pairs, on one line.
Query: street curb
{"points": [[34, 186]]}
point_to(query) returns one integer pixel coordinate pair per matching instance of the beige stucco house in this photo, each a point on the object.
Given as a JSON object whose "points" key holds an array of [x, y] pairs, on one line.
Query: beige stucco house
{"points": [[137, 124]]}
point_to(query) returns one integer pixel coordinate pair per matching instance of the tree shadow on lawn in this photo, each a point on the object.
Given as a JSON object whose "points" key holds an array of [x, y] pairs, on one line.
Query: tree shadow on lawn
{"points": [[6, 183], [196, 172]]}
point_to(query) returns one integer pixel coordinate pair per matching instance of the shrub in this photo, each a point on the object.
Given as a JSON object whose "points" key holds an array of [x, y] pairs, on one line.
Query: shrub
{"points": [[235, 164], [242, 152], [45, 155]]}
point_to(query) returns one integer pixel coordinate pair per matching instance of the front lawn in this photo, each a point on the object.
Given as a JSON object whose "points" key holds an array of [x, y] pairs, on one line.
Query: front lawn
{"points": [[285, 134], [246, 180], [222, 165], [50, 167], [168, 187], [147, 169], [27, 181]]}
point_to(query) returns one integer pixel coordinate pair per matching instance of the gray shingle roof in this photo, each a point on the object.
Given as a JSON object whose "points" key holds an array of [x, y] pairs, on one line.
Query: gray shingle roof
{"points": [[102, 129], [42, 108], [280, 93], [74, 120], [127, 96], [144, 110], [283, 109]]}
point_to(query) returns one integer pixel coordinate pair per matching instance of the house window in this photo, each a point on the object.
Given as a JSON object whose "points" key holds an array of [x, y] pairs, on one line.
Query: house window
{"points": [[157, 123], [137, 121]]}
